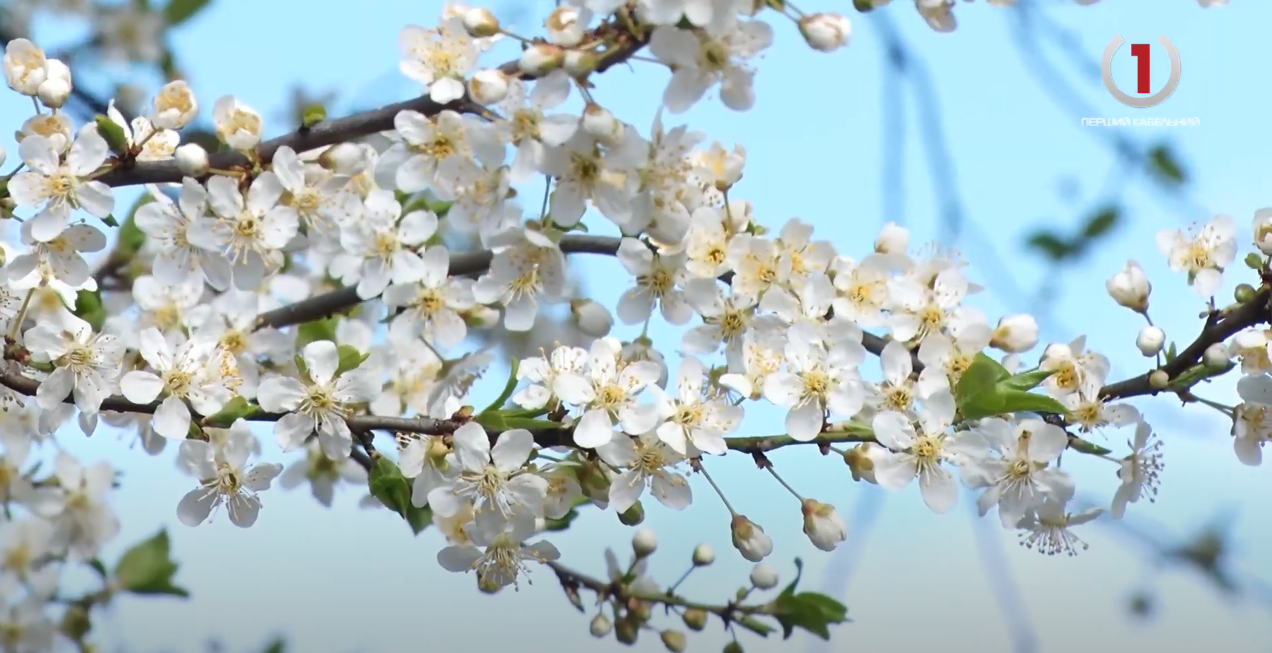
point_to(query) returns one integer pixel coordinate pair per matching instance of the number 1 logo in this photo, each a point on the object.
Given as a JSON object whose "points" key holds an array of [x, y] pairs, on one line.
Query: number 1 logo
{"points": [[1143, 69]]}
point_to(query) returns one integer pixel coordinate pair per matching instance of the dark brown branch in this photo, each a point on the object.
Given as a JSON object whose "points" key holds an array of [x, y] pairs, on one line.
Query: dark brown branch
{"points": [[1246, 315]]}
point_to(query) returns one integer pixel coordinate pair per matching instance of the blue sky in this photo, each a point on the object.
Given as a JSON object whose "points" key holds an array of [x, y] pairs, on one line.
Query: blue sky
{"points": [[346, 580]]}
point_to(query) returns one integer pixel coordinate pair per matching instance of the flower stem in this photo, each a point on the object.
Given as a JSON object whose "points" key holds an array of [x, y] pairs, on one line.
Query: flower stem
{"points": [[703, 470], [21, 316], [784, 483]]}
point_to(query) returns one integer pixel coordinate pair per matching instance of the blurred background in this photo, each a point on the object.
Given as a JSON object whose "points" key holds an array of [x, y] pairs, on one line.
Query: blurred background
{"points": [[973, 139]]}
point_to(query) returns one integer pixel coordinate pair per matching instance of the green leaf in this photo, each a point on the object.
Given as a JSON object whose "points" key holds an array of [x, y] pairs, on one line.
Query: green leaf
{"points": [[1055, 247], [313, 114], [99, 567], [276, 646], [112, 133], [1164, 165], [324, 329], [756, 626], [237, 408], [529, 424], [563, 523], [88, 307], [508, 388], [350, 358], [492, 421], [1027, 380], [179, 11], [110, 220], [810, 611], [131, 238], [1171, 353], [1086, 446], [147, 568], [1254, 261], [1196, 374], [987, 389], [1101, 223], [387, 484]]}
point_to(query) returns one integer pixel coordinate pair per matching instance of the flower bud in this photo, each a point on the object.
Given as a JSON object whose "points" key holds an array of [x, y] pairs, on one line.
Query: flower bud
{"points": [[541, 59], [591, 318], [480, 22], [1015, 333], [1243, 293], [633, 516], [1130, 287], [174, 106], [564, 27], [1158, 380], [600, 626], [192, 159], [825, 32], [580, 63], [344, 159], [626, 631], [1216, 357], [53, 92], [892, 239], [1263, 230], [703, 555], [695, 619], [600, 124], [25, 66], [1150, 340], [860, 461], [237, 124], [644, 543], [674, 640], [823, 525], [749, 539], [763, 577], [488, 86], [733, 647]]}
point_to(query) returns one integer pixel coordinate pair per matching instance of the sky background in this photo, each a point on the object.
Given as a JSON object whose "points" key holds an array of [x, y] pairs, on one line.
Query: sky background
{"points": [[347, 580]]}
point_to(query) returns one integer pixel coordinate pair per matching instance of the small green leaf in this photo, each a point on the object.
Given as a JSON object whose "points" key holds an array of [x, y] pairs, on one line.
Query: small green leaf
{"points": [[1171, 353], [276, 646], [981, 377], [147, 568], [387, 484], [99, 567], [1101, 223], [112, 133], [789, 590], [563, 523], [88, 307], [1163, 164], [810, 611], [756, 626], [313, 114], [1019, 401], [1086, 446], [350, 358], [987, 389], [492, 421], [179, 11], [324, 329], [110, 220], [508, 388], [1055, 247], [529, 424], [234, 410], [1027, 380], [1254, 261]]}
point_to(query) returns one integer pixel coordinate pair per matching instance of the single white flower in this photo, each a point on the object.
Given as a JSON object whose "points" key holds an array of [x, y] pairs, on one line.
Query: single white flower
{"points": [[608, 391], [493, 478], [321, 404], [225, 478]]}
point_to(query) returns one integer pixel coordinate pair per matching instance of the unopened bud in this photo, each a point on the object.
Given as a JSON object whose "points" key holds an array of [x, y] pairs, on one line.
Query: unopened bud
{"points": [[53, 92], [626, 631], [1216, 357], [860, 463], [1243, 293], [1130, 287], [734, 646], [674, 640], [1150, 340], [633, 516], [541, 59], [600, 626], [343, 159], [1158, 380], [192, 160], [591, 318], [480, 22], [644, 543], [488, 86], [863, 6], [579, 63], [749, 539], [600, 124], [695, 619], [892, 239], [825, 32], [1262, 237], [763, 576], [564, 27], [703, 555]]}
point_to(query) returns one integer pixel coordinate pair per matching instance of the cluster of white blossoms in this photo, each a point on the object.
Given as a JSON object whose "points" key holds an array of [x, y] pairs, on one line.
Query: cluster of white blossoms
{"points": [[221, 314]]}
